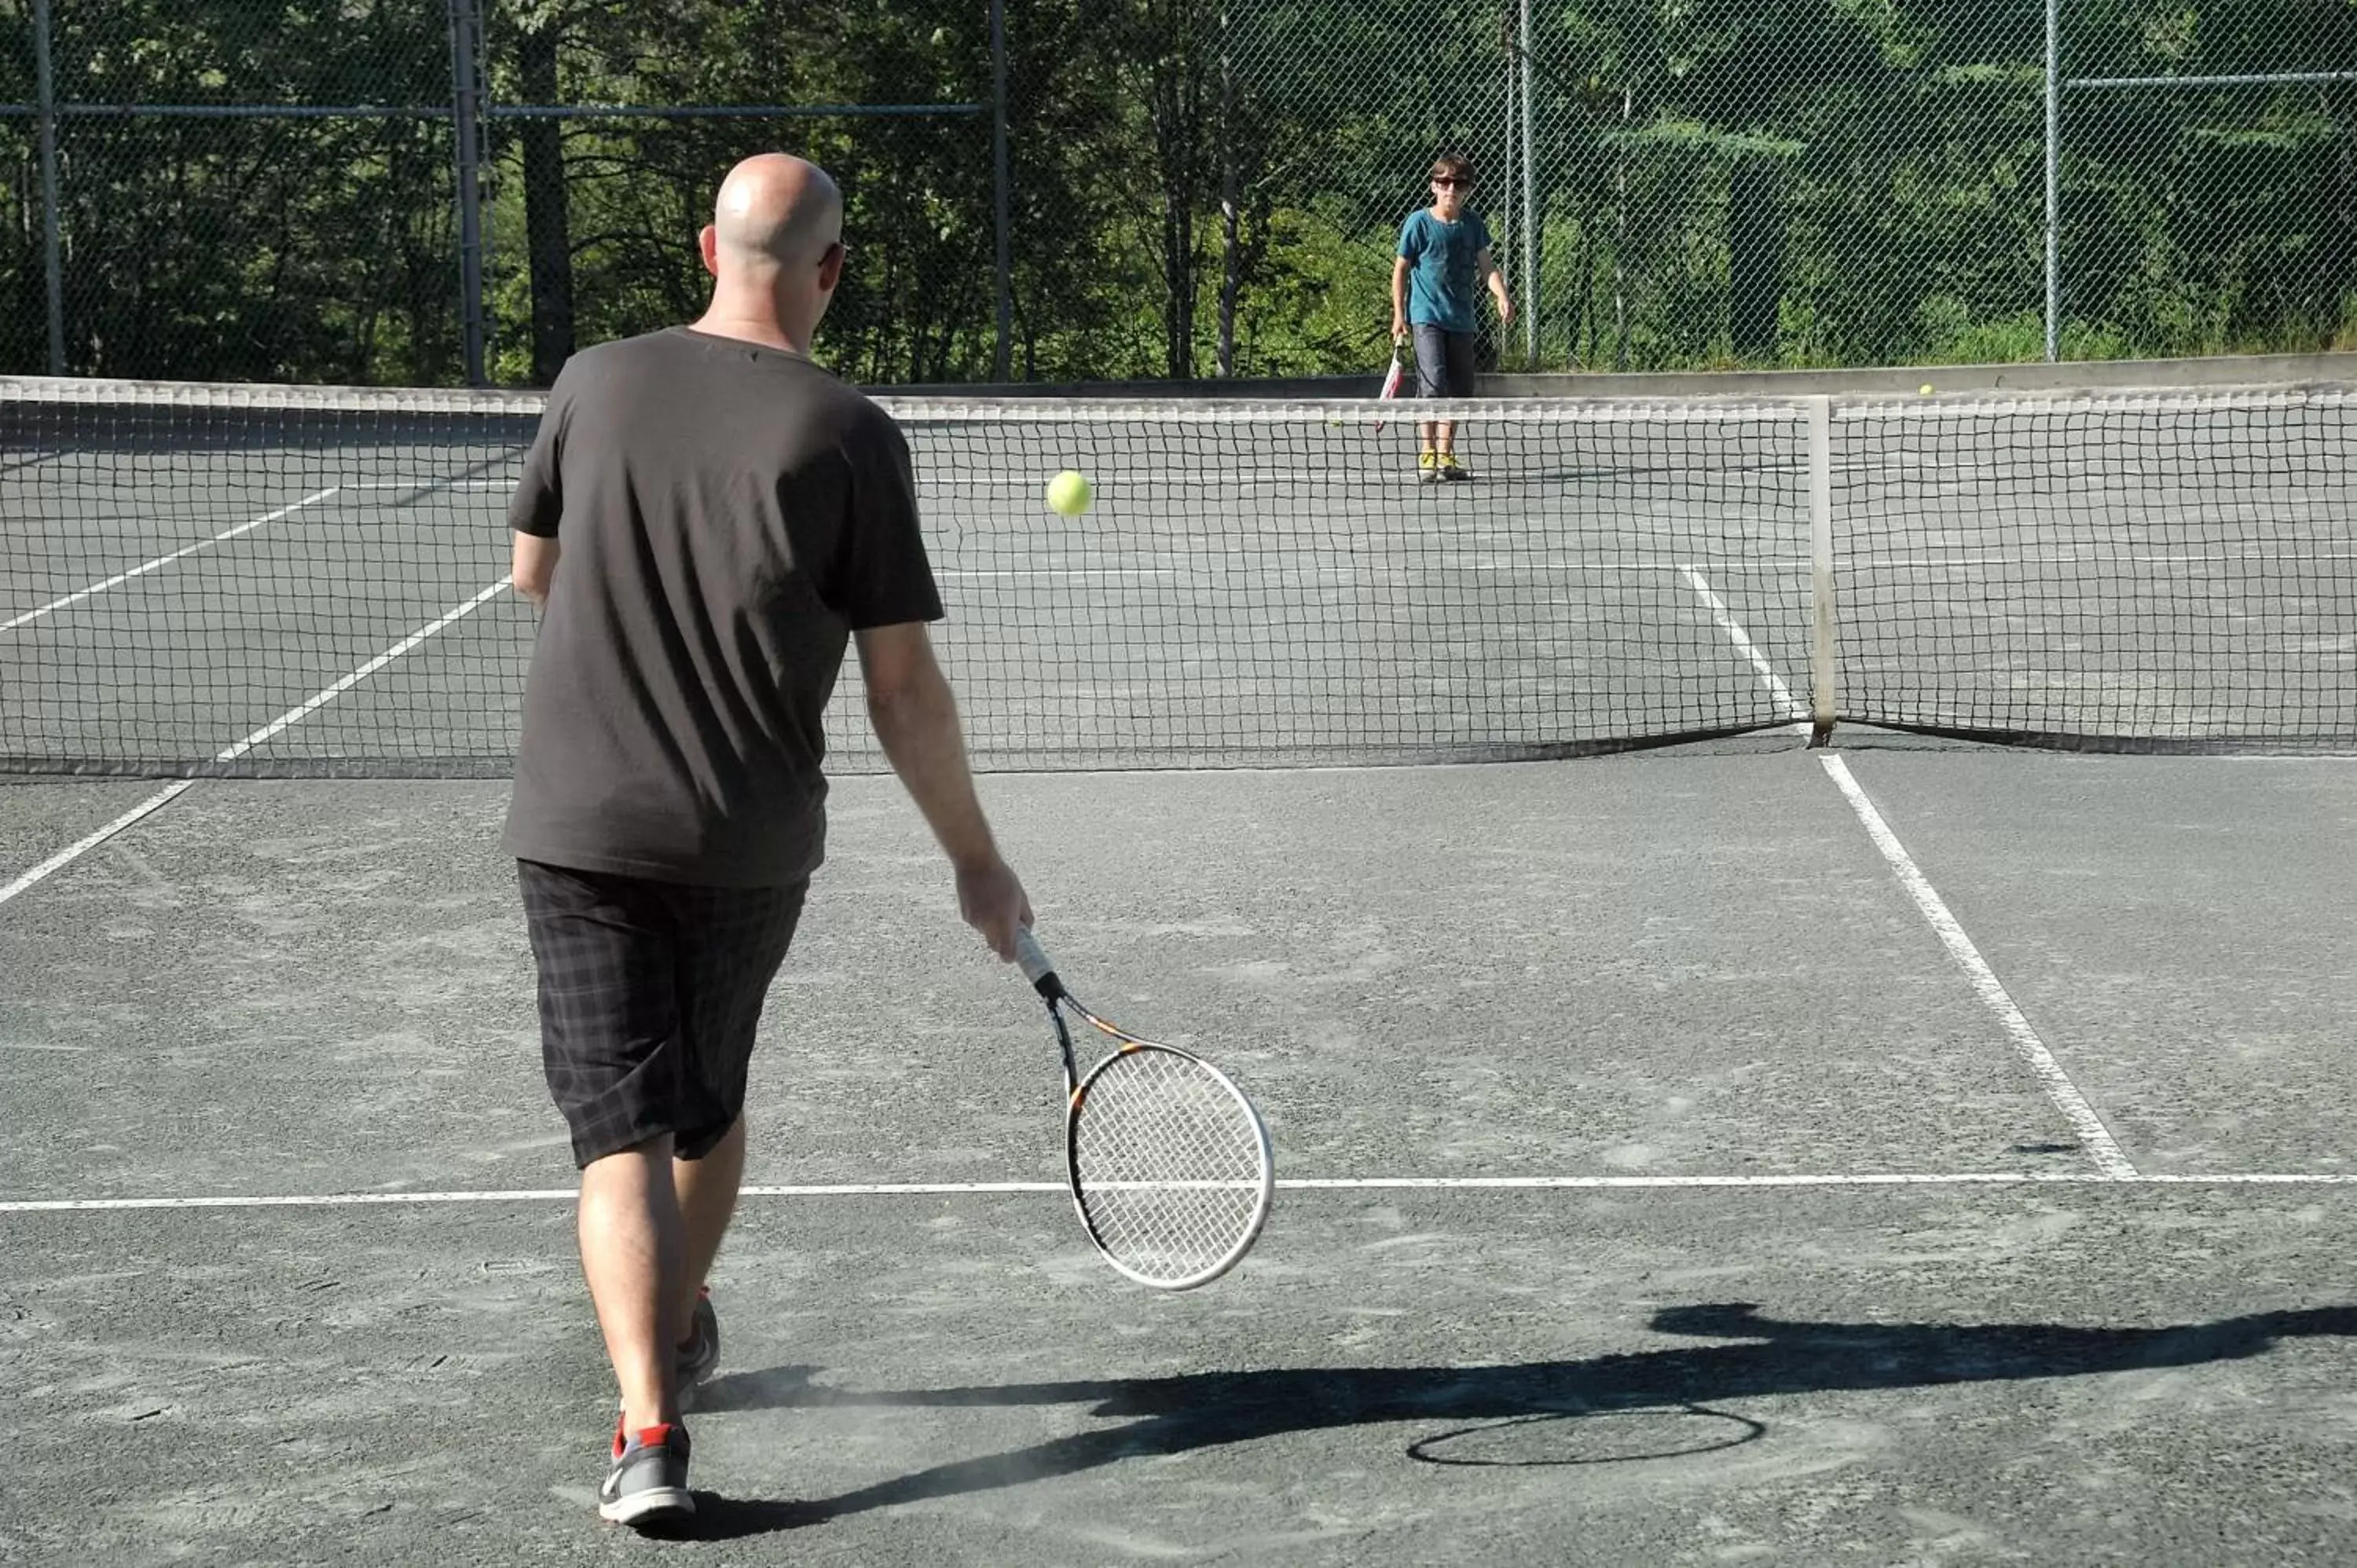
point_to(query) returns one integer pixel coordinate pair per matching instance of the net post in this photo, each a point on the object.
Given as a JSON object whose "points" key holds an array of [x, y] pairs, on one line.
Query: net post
{"points": [[1822, 699]]}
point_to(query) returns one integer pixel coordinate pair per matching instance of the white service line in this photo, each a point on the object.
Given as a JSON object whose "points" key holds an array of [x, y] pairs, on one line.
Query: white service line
{"points": [[147, 566], [2094, 1137], [1793, 706], [1305, 1184], [293, 716]]}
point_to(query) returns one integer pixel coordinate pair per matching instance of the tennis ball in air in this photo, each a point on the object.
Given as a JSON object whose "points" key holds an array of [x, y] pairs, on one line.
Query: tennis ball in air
{"points": [[1925, 390], [1071, 493]]}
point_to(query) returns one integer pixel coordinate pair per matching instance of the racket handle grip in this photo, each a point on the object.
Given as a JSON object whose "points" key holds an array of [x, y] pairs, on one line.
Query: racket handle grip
{"points": [[1036, 967]]}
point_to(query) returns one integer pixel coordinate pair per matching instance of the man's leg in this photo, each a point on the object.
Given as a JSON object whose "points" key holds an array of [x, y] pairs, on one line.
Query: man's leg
{"points": [[739, 939], [707, 1200], [633, 1254]]}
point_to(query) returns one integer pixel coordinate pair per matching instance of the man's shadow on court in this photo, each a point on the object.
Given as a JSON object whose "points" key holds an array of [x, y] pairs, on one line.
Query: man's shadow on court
{"points": [[1204, 1410]]}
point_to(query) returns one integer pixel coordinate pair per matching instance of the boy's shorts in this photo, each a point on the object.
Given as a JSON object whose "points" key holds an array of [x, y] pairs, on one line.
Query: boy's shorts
{"points": [[1444, 362], [649, 995]]}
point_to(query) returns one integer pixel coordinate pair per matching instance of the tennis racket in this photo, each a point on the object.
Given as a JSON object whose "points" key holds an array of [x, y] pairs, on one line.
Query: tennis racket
{"points": [[1169, 1164], [1391, 380]]}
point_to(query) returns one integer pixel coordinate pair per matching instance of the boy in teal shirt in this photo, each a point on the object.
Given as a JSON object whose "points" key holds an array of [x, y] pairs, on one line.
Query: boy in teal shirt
{"points": [[1444, 255]]}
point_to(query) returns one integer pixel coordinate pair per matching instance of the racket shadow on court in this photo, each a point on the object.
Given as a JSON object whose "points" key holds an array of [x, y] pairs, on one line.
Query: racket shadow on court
{"points": [[1477, 1414]]}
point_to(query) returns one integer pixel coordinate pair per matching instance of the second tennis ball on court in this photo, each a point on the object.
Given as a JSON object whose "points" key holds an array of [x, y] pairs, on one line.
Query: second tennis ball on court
{"points": [[1071, 493]]}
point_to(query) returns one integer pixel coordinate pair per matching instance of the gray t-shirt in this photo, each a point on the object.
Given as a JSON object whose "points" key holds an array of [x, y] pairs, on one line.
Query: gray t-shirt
{"points": [[727, 515]]}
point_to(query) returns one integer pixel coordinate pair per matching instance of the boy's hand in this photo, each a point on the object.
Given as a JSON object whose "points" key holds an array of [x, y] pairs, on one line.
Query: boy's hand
{"points": [[1399, 328], [1505, 313]]}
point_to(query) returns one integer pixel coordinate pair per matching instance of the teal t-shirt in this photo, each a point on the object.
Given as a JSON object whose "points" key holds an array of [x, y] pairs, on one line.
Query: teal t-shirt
{"points": [[1440, 279]]}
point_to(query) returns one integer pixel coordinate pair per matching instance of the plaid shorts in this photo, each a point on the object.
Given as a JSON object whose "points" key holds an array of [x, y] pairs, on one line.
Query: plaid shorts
{"points": [[649, 995]]}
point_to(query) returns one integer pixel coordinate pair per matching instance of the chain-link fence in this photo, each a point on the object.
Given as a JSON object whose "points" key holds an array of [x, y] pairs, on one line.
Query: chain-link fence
{"points": [[428, 191], [438, 190]]}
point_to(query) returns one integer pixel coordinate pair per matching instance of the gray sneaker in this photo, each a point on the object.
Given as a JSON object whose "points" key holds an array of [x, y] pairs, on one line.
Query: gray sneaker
{"points": [[701, 1354], [649, 1481]]}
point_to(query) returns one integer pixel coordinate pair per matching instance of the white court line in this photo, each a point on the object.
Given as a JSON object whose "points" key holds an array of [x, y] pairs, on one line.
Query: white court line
{"points": [[82, 846], [293, 716], [147, 566], [1080, 572], [329, 694], [2094, 1137], [431, 485], [1792, 707], [1305, 1184]]}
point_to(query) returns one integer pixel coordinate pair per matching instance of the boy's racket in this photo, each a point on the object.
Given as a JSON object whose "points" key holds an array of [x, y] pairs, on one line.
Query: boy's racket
{"points": [[1169, 1162], [1391, 379]]}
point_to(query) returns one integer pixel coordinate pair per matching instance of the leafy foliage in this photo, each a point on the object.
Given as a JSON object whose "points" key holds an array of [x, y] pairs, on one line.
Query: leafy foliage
{"points": [[1197, 186]]}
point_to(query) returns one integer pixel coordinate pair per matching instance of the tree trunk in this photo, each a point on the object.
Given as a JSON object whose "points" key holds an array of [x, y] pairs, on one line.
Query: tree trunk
{"points": [[1620, 238], [1755, 246], [548, 230]]}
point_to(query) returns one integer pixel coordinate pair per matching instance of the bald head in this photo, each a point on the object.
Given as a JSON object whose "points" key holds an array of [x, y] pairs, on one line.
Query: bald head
{"points": [[774, 250], [775, 211]]}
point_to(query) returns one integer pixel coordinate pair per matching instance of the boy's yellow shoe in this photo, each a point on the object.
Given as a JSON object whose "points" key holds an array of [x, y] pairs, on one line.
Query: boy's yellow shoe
{"points": [[1427, 467]]}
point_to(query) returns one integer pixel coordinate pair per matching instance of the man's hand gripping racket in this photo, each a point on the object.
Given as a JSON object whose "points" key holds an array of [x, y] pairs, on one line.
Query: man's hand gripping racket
{"points": [[1169, 1162]]}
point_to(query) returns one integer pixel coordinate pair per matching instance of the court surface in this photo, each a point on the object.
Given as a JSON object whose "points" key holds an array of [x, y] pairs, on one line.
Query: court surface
{"points": [[1740, 1153]]}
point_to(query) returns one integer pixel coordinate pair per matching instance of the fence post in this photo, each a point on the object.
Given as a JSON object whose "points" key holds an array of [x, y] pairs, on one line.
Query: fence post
{"points": [[45, 87], [1230, 270], [1530, 205], [2054, 180], [1001, 235], [466, 88]]}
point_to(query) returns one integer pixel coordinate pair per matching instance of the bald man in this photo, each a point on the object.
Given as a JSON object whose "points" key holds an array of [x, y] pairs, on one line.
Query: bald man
{"points": [[729, 518]]}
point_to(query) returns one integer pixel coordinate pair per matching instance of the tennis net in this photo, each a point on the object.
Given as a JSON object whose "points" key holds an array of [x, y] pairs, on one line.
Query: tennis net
{"points": [[309, 581]]}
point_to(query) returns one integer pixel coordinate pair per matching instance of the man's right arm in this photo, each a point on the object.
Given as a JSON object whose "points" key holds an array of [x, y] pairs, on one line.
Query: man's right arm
{"points": [[1399, 299], [916, 719]]}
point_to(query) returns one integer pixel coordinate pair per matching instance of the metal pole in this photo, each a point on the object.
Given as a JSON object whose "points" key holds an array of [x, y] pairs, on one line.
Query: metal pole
{"points": [[466, 79], [1510, 144], [1825, 702], [1003, 237], [1231, 262], [2054, 180], [1530, 208], [45, 88]]}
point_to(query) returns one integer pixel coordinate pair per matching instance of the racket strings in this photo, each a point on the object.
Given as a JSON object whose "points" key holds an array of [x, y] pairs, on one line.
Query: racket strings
{"points": [[1170, 1166]]}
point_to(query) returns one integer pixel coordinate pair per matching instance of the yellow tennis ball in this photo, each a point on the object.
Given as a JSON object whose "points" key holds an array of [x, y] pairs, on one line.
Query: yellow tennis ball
{"points": [[1925, 390], [1071, 493]]}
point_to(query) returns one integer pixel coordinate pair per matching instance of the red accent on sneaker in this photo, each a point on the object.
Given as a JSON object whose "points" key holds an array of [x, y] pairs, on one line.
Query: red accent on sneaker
{"points": [[646, 1436]]}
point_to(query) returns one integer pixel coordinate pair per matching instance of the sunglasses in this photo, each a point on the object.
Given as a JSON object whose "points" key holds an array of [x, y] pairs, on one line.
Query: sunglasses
{"points": [[1449, 179]]}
